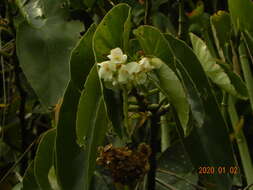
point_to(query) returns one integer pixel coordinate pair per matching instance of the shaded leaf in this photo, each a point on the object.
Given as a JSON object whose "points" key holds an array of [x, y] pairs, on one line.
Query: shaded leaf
{"points": [[221, 27], [29, 181], [69, 156], [91, 124], [44, 51], [44, 159], [241, 14]]}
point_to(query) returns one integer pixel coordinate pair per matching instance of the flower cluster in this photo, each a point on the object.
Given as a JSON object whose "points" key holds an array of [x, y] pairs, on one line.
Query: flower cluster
{"points": [[118, 71]]}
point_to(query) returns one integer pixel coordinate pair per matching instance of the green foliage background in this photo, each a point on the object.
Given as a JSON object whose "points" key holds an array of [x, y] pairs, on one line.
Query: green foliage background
{"points": [[56, 111]]}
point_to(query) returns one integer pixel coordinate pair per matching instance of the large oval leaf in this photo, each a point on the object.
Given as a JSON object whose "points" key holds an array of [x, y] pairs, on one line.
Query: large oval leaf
{"points": [[44, 159], [215, 72], [91, 123], [69, 156], [44, 51]]}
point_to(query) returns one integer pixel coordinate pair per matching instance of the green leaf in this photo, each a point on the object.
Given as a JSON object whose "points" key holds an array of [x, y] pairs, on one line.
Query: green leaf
{"points": [[69, 156], [168, 82], [154, 43], [215, 72], [213, 132], [35, 12], [221, 27], [44, 159], [241, 14], [44, 51], [91, 124], [209, 127], [112, 32], [29, 181], [89, 100]]}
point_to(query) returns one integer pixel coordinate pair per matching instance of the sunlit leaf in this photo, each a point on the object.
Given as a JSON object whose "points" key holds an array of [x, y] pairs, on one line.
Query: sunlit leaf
{"points": [[215, 72], [168, 82]]}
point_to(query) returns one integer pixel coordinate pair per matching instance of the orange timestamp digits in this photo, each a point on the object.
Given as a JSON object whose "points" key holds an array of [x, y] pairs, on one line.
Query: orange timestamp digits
{"points": [[211, 170]]}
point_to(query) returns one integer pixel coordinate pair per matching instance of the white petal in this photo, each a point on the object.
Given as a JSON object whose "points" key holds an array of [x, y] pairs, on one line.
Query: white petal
{"points": [[117, 56], [145, 64], [106, 70], [133, 67], [123, 75]]}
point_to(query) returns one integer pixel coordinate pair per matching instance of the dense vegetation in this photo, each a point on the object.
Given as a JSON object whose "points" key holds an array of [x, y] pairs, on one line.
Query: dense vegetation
{"points": [[126, 95]]}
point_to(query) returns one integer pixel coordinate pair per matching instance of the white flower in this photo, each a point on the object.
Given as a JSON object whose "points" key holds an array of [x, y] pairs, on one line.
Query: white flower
{"points": [[117, 56], [156, 62], [133, 67], [145, 64], [106, 70], [123, 75]]}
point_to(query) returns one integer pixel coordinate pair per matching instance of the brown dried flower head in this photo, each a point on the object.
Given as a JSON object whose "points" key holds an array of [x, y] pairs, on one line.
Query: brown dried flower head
{"points": [[126, 166]]}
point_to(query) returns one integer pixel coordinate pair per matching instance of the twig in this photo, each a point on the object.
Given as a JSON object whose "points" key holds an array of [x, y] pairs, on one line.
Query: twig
{"points": [[179, 177]]}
